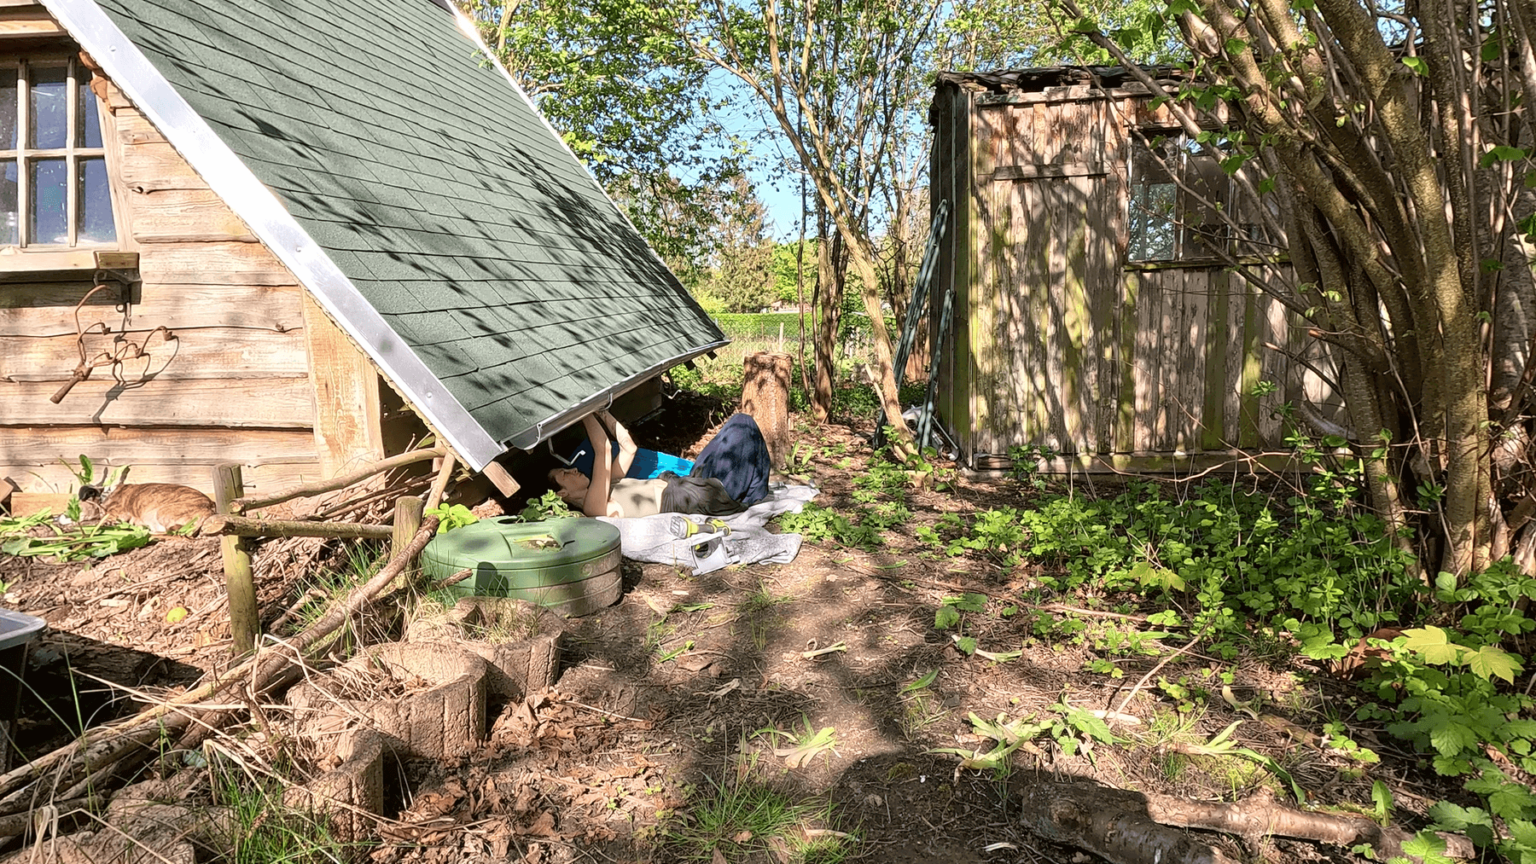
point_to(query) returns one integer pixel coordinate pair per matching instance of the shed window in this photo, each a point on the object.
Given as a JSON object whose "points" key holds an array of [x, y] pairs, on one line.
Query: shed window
{"points": [[54, 193], [1175, 193]]}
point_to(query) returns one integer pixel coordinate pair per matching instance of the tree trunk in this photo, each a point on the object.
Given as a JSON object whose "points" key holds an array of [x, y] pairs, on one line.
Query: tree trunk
{"points": [[829, 284]]}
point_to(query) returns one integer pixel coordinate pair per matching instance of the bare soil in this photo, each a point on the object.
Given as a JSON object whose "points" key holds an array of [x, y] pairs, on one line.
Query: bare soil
{"points": [[672, 693]]}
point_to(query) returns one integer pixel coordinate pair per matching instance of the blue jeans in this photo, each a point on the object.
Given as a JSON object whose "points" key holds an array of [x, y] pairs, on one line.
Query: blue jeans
{"points": [[738, 458]]}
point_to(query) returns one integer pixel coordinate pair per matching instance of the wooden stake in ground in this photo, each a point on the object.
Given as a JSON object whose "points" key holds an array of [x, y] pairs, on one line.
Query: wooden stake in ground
{"points": [[408, 512], [765, 397], [244, 620]]}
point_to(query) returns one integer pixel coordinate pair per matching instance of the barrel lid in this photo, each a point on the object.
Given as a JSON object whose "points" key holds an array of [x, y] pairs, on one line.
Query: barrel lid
{"points": [[505, 543]]}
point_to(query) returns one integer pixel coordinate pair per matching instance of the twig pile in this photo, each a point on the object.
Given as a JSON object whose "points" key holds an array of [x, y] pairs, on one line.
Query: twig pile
{"points": [[78, 771]]}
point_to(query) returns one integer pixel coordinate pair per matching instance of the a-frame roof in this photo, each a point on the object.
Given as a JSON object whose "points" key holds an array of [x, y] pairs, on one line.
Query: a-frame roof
{"points": [[416, 192]]}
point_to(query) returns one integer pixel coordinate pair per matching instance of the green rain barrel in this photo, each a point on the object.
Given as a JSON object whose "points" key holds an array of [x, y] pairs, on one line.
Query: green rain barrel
{"points": [[568, 565]]}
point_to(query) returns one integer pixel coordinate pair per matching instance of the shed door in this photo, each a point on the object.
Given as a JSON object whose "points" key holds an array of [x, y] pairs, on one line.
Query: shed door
{"points": [[1049, 287]]}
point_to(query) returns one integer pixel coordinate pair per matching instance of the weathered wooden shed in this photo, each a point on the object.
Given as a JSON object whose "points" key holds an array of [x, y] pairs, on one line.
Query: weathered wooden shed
{"points": [[1093, 315], [319, 225]]}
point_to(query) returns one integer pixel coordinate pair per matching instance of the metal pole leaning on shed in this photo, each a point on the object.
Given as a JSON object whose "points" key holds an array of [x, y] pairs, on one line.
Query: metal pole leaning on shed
{"points": [[228, 485]]}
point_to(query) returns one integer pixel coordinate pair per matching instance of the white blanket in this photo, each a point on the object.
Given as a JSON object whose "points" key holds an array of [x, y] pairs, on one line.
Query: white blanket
{"points": [[704, 544]]}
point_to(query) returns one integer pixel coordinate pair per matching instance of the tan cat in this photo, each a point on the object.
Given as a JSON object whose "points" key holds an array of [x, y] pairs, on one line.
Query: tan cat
{"points": [[160, 507]]}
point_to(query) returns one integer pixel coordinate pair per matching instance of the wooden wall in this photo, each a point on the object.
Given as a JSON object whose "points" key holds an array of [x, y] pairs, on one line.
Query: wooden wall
{"points": [[1059, 340], [237, 383]]}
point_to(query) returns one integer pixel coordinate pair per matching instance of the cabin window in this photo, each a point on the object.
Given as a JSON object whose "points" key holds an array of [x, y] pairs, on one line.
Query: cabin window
{"points": [[54, 193], [1176, 191]]}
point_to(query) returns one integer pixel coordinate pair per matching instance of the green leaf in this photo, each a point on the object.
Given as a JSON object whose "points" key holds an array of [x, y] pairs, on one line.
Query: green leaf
{"points": [[1454, 817], [966, 644], [1450, 737], [922, 682], [1418, 65], [1382, 797], [1492, 49], [1088, 724], [946, 617], [1502, 153], [972, 603], [1236, 46], [1428, 847], [1433, 644], [1489, 661]]}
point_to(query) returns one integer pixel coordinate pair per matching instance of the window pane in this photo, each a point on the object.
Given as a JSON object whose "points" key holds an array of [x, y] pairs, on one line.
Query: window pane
{"points": [[49, 107], [8, 222], [1152, 226], [89, 134], [50, 213], [8, 109], [95, 200]]}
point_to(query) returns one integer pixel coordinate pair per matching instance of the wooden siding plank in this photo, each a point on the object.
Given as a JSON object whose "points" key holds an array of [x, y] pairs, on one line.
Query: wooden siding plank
{"points": [[262, 478], [348, 431], [135, 128], [44, 308], [282, 403], [1033, 172], [203, 352], [1127, 400], [213, 263], [1212, 411], [120, 445], [154, 166], [1252, 369], [991, 285], [1187, 384], [969, 282], [184, 215], [28, 21], [1151, 420]]}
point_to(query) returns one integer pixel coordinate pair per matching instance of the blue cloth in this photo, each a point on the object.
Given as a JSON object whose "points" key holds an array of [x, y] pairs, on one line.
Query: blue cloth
{"points": [[648, 464], [737, 457]]}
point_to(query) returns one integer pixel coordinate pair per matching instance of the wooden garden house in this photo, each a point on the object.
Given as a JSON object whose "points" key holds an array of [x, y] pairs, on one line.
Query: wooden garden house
{"points": [[1096, 313], [296, 234]]}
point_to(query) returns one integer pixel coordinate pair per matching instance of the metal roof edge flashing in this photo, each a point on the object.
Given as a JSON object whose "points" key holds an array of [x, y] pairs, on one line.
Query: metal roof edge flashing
{"points": [[536, 434], [229, 177]]}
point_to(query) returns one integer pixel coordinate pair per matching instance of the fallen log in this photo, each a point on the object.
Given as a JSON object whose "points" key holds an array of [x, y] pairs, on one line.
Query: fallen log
{"points": [[1126, 827], [244, 526]]}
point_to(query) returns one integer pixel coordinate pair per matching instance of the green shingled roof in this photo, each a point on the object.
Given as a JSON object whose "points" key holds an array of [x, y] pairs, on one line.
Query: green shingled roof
{"points": [[436, 189]]}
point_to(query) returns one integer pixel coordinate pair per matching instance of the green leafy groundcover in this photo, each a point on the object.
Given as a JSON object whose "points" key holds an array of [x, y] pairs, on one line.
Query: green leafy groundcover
{"points": [[1311, 572], [67, 543]]}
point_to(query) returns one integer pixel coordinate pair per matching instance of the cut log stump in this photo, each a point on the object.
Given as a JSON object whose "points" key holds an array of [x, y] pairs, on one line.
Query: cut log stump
{"points": [[765, 397], [520, 641], [441, 717]]}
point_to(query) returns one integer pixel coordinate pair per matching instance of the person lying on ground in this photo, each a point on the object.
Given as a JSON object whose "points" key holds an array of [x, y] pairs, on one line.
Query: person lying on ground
{"points": [[647, 465], [608, 492], [737, 456]]}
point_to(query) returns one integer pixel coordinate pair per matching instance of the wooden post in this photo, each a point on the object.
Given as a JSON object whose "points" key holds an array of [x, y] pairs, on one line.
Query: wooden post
{"points": [[408, 510], [228, 485], [765, 396]]}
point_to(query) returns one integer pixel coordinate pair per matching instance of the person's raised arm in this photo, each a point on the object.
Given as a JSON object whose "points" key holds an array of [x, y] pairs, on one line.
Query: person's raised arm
{"points": [[627, 449], [596, 502]]}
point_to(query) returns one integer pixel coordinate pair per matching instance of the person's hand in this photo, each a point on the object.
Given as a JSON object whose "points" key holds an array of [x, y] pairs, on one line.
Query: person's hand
{"points": [[620, 434]]}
